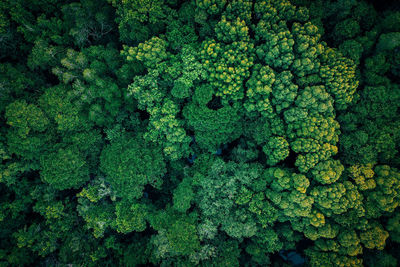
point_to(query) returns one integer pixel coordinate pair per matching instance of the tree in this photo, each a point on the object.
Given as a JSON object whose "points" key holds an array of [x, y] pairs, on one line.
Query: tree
{"points": [[129, 164], [64, 169]]}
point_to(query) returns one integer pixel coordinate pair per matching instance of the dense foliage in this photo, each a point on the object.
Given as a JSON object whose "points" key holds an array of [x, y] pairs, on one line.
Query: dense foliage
{"points": [[199, 132]]}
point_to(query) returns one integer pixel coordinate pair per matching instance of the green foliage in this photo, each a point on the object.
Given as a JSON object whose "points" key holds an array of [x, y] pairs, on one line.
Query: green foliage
{"points": [[318, 258], [374, 238], [150, 52], [59, 108], [191, 71], [327, 172], [393, 226], [129, 164], [385, 196], [211, 6], [338, 68], [199, 133], [215, 204], [176, 234], [381, 258], [347, 29], [276, 149], [130, 217], [351, 49], [97, 216], [289, 193], [183, 196], [227, 66], [17, 83], [259, 86], [212, 128], [164, 127], [362, 176], [375, 139], [91, 73], [136, 253], [337, 198], [64, 169], [138, 20], [28, 123], [180, 34], [89, 21], [231, 31]]}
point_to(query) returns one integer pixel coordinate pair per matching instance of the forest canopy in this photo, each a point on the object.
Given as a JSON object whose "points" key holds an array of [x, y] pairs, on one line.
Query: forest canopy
{"points": [[199, 133]]}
